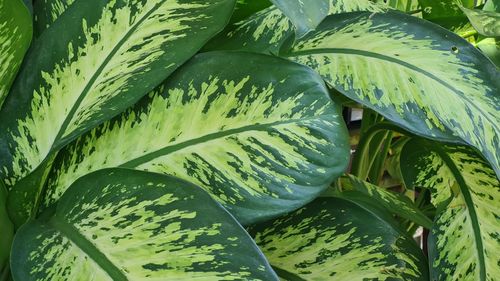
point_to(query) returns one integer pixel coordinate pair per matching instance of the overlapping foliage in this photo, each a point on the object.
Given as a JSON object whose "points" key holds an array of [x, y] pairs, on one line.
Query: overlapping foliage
{"points": [[138, 139]]}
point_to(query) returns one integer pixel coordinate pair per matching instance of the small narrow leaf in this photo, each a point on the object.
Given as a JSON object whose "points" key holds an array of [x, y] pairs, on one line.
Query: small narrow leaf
{"points": [[395, 203], [334, 239], [119, 224], [262, 141], [422, 77], [15, 37], [466, 237]]}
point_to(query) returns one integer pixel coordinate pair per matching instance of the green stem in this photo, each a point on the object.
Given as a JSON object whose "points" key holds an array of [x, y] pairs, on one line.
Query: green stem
{"points": [[377, 166], [361, 155]]}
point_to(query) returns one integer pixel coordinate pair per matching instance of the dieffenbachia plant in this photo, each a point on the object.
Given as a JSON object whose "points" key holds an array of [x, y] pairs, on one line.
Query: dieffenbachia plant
{"points": [[465, 191], [204, 140], [15, 36], [101, 63]]}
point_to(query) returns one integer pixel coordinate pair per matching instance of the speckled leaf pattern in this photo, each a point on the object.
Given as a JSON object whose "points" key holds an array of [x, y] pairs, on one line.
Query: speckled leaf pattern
{"points": [[438, 10], [422, 77], [119, 225], [47, 12], [466, 237], [485, 22], [15, 37], [108, 55], [306, 15], [262, 141], [334, 239], [395, 203], [266, 31]]}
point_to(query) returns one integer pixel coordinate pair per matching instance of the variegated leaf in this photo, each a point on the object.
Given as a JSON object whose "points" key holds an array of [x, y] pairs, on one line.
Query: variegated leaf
{"points": [[107, 55], [246, 8], [46, 12], [439, 9], [402, 5], [350, 186], [15, 37], [263, 32], [485, 22], [466, 234], [262, 140], [492, 6], [120, 225], [334, 239], [266, 31], [422, 77], [306, 15], [491, 48]]}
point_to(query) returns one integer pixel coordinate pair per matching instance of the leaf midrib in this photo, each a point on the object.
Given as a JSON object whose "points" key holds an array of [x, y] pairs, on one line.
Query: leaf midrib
{"points": [[209, 137], [99, 71], [465, 192], [72, 233], [320, 51]]}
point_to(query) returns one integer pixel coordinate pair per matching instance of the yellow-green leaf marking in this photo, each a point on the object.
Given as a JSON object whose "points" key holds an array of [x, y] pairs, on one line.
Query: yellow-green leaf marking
{"points": [[334, 239], [466, 191], [262, 141], [95, 60], [47, 12], [266, 31], [485, 22], [120, 225], [15, 38], [420, 76], [306, 15]]}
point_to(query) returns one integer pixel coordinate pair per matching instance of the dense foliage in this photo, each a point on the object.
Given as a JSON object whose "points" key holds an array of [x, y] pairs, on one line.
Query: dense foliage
{"points": [[211, 140]]}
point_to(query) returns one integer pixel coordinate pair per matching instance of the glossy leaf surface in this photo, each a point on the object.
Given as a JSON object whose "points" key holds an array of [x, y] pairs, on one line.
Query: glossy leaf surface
{"points": [[466, 191], [334, 239], [119, 224], [108, 54], [262, 141], [422, 77], [266, 31]]}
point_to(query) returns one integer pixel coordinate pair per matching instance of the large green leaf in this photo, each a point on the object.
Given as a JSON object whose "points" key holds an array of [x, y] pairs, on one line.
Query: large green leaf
{"points": [[266, 31], [119, 224], [350, 186], [485, 22], [15, 37], [466, 234], [334, 239], [262, 140], [422, 77], [97, 59]]}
